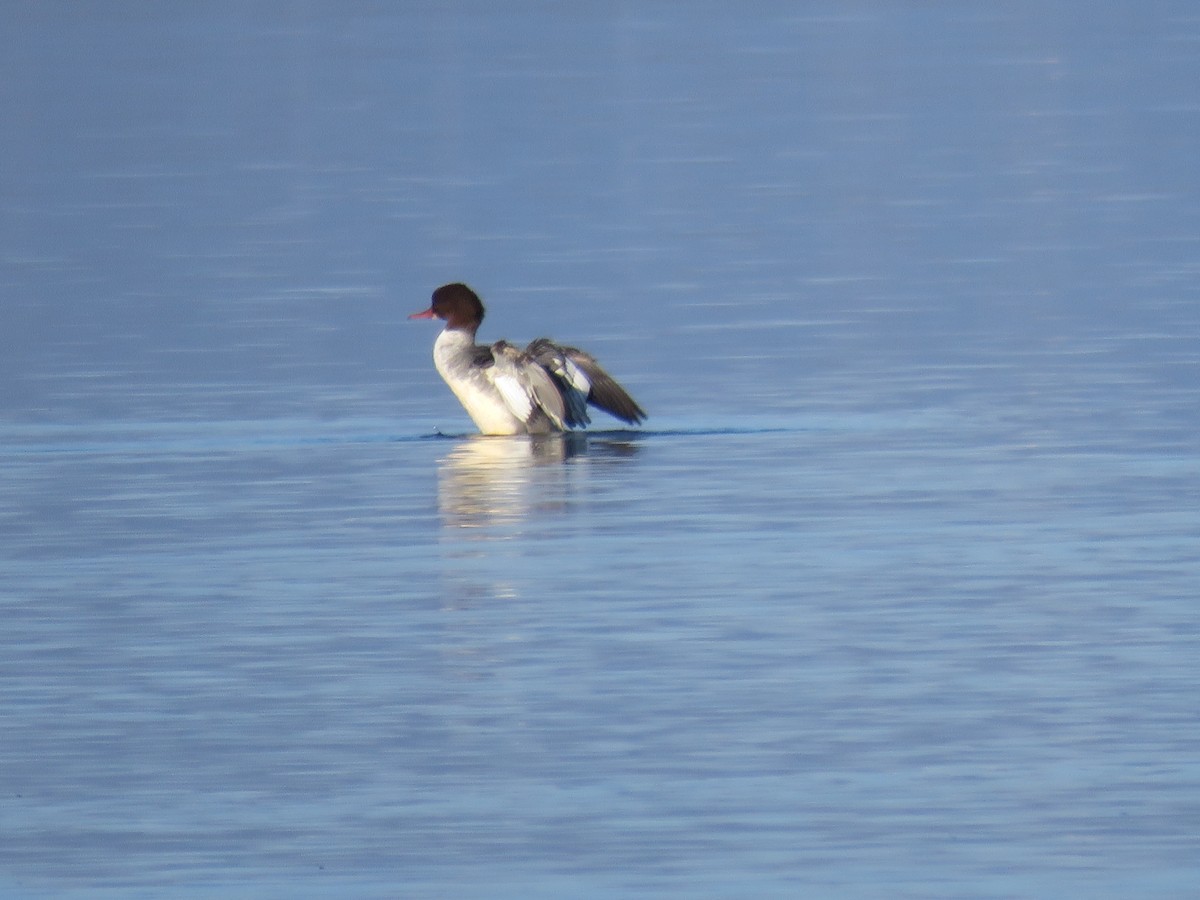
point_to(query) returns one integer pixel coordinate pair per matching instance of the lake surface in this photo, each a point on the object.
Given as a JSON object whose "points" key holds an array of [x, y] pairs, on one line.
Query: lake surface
{"points": [[894, 595]]}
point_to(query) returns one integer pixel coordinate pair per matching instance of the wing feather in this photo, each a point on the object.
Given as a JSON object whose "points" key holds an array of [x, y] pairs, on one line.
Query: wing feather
{"points": [[573, 384], [525, 386], [578, 372]]}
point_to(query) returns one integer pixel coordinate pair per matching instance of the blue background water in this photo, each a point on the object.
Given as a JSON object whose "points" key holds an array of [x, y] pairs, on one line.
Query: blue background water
{"points": [[894, 595]]}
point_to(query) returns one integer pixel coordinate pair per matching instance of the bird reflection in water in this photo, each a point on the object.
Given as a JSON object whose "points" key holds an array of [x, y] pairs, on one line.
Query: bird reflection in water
{"points": [[495, 484], [497, 496]]}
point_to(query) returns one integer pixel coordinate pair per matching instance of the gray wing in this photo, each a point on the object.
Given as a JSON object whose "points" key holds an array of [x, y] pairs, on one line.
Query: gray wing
{"points": [[527, 389], [579, 375], [571, 380]]}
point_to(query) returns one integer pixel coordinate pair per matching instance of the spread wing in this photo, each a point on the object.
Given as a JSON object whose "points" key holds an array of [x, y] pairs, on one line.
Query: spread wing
{"points": [[526, 388], [572, 382], [580, 376]]}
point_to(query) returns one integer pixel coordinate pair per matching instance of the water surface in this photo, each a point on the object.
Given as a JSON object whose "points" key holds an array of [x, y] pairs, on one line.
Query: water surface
{"points": [[894, 594]]}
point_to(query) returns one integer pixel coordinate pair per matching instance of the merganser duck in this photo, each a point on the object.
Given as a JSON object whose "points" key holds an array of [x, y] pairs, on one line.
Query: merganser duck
{"points": [[542, 389]]}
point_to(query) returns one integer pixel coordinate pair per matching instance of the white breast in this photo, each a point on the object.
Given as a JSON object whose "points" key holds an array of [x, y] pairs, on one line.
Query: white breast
{"points": [[454, 358]]}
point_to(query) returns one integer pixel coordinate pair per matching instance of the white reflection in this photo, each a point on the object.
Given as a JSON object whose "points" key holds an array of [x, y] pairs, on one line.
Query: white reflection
{"points": [[488, 481], [498, 496]]}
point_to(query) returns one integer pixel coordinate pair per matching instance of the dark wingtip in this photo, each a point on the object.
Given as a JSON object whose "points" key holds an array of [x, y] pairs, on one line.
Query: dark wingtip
{"points": [[625, 409], [606, 393]]}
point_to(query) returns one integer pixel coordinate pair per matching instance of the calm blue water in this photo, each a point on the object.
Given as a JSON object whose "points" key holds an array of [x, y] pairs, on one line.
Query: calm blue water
{"points": [[894, 595]]}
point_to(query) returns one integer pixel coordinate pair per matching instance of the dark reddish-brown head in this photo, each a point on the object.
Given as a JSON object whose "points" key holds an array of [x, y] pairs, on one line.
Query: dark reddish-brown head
{"points": [[457, 304]]}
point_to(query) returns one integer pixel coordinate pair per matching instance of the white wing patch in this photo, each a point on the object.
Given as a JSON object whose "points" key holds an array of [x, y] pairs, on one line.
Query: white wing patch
{"points": [[515, 395], [575, 376], [525, 387], [545, 394]]}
